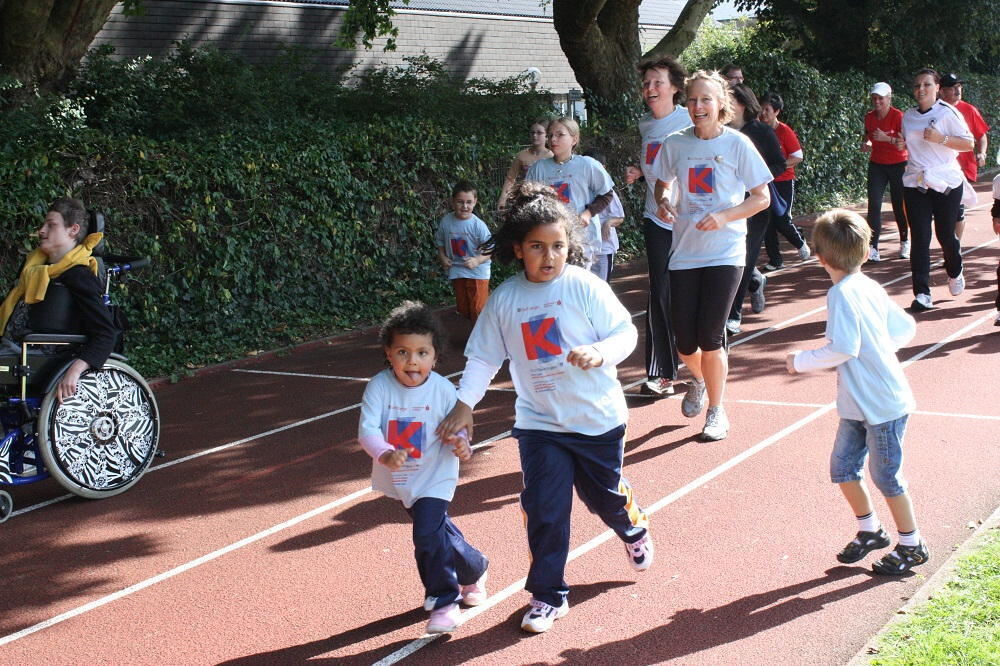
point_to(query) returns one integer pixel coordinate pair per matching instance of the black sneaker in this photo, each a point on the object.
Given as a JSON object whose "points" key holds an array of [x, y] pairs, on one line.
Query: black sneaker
{"points": [[862, 544], [902, 559]]}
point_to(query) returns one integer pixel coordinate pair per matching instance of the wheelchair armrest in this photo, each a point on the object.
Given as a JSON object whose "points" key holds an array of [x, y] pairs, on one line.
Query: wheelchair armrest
{"points": [[54, 339]]}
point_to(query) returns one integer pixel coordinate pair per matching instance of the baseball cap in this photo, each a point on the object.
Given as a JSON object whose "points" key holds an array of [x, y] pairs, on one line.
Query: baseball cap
{"points": [[881, 89], [949, 80]]}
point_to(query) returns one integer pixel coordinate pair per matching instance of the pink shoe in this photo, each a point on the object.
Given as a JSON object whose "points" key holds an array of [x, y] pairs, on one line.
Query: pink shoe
{"points": [[444, 620], [475, 594]]}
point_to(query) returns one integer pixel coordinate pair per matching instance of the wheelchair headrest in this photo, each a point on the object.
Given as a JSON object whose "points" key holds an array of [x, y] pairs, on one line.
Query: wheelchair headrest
{"points": [[95, 224]]}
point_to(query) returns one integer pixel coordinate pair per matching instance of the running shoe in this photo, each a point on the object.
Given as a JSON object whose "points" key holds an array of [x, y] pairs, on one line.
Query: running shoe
{"points": [[444, 620], [475, 594], [695, 399], [873, 255], [658, 386], [922, 302], [904, 249], [773, 267], [956, 285], [732, 326], [757, 300], [901, 559], [804, 251], [640, 553], [540, 616], [716, 424]]}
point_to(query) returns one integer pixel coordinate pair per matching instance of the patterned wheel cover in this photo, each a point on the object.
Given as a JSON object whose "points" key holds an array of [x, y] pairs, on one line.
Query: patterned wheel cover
{"points": [[104, 435]]}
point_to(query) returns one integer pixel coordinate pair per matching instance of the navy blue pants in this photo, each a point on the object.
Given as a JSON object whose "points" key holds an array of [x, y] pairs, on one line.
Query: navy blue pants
{"points": [[445, 559], [552, 463]]}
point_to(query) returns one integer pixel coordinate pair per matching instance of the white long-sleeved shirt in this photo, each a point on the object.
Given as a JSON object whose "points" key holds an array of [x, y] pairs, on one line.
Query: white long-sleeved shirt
{"points": [[864, 330], [534, 325]]}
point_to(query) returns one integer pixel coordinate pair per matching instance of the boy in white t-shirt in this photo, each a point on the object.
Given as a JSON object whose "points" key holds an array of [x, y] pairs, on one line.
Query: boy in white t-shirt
{"points": [[459, 237], [864, 330]]}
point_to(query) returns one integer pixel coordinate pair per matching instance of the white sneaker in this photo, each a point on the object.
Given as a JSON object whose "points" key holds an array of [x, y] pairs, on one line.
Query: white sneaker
{"points": [[732, 326], [956, 285], [695, 399], [922, 302], [904, 249], [804, 251], [873, 255], [716, 424], [640, 554], [540, 616]]}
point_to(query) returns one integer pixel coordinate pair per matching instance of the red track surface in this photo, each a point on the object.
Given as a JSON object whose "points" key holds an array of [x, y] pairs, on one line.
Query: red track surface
{"points": [[273, 551]]}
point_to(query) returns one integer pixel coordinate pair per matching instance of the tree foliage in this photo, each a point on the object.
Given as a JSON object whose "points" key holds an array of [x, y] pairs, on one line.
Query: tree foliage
{"points": [[883, 38]]}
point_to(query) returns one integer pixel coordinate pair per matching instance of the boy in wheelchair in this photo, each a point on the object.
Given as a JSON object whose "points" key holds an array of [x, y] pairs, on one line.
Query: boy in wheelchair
{"points": [[59, 292], [83, 416]]}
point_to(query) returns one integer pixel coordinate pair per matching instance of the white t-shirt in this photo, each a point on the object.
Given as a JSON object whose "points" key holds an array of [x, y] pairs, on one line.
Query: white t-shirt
{"points": [[864, 329], [711, 175], [577, 182], [931, 165], [534, 325], [653, 132], [406, 417], [461, 239]]}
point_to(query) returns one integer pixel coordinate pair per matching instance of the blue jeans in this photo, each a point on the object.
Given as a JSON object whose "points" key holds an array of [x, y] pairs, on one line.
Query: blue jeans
{"points": [[552, 463], [882, 444]]}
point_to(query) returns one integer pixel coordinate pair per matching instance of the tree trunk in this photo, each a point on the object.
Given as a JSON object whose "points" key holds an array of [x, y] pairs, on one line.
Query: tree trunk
{"points": [[43, 41], [601, 41]]}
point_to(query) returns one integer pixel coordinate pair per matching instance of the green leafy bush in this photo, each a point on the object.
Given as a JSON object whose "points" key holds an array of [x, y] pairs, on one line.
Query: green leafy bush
{"points": [[275, 205]]}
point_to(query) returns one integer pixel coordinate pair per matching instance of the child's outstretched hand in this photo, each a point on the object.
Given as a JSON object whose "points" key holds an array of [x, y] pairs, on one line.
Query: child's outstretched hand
{"points": [[393, 459], [460, 446], [458, 419], [585, 357], [790, 363]]}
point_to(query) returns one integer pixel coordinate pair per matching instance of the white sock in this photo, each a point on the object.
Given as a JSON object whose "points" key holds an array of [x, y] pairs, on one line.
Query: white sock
{"points": [[909, 538], [869, 523]]}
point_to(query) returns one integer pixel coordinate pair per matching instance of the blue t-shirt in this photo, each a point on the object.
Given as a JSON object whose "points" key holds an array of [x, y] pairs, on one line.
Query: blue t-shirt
{"points": [[461, 239]]}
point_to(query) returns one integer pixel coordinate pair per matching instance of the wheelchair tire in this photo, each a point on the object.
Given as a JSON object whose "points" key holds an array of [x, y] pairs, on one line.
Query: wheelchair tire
{"points": [[6, 506], [100, 442]]}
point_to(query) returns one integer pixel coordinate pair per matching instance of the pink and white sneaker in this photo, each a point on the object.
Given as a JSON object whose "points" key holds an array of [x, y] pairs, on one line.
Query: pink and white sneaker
{"points": [[444, 620], [475, 594]]}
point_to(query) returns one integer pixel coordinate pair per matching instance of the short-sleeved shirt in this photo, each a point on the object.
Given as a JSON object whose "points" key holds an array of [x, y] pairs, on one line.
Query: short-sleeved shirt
{"points": [[577, 182], [882, 151], [535, 325], [653, 132], [866, 324], [790, 146], [614, 209], [932, 165], [461, 239], [711, 175], [978, 127], [406, 417]]}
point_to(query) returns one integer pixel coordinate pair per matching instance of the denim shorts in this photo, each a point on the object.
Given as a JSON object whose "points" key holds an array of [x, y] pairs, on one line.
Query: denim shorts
{"points": [[883, 443]]}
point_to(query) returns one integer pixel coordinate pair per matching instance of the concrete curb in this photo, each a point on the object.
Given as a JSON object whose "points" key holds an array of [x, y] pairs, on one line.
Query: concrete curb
{"points": [[945, 573]]}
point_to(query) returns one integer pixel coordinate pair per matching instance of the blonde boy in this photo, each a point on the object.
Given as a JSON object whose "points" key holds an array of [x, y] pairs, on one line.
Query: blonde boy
{"points": [[864, 330]]}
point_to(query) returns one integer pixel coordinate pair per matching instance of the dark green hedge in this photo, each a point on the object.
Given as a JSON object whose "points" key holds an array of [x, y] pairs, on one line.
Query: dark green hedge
{"points": [[280, 218]]}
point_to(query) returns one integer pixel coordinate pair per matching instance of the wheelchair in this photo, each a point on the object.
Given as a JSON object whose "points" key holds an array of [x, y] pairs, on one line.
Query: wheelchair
{"points": [[97, 443]]}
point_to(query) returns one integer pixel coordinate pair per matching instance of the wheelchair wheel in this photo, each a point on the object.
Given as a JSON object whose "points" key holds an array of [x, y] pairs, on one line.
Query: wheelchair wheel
{"points": [[100, 442], [6, 506]]}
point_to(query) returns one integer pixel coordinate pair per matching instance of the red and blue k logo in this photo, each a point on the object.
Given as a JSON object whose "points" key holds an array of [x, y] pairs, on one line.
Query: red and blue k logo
{"points": [[541, 338], [701, 180], [652, 148], [563, 191], [407, 434], [459, 247]]}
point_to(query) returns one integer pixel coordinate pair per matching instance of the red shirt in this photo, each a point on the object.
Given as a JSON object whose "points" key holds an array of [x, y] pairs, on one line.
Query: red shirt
{"points": [[978, 127], [882, 151], [789, 144]]}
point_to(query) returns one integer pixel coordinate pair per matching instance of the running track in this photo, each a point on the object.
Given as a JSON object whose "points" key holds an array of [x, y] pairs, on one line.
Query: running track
{"points": [[256, 539]]}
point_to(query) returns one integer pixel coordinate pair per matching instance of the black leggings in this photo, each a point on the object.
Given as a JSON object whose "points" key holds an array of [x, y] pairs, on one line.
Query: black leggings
{"points": [[880, 175], [700, 299], [921, 208]]}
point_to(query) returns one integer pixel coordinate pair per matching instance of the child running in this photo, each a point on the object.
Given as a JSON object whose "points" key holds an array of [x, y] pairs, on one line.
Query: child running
{"points": [[563, 331], [864, 330], [399, 411], [458, 237]]}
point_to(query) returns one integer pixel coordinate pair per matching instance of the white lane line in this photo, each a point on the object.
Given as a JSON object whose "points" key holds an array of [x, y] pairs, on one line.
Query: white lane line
{"points": [[511, 589], [606, 535]]}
